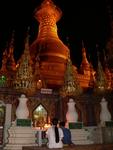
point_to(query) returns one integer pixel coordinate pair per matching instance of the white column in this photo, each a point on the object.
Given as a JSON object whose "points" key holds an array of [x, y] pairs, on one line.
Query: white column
{"points": [[7, 121]]}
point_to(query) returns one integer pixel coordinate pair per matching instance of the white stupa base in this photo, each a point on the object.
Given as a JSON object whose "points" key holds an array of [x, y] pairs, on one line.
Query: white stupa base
{"points": [[19, 137], [80, 137]]}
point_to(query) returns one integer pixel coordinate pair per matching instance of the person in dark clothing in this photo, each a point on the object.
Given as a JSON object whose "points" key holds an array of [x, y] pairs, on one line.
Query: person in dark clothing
{"points": [[67, 134]]}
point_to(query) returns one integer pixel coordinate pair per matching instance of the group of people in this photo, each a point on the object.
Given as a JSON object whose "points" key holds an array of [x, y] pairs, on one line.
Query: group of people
{"points": [[58, 136]]}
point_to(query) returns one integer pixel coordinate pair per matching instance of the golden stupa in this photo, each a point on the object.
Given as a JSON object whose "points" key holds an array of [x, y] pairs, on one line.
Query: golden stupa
{"points": [[52, 51]]}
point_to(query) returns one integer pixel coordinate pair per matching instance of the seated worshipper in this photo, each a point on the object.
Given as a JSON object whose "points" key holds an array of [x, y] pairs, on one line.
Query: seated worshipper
{"points": [[54, 135], [67, 134]]}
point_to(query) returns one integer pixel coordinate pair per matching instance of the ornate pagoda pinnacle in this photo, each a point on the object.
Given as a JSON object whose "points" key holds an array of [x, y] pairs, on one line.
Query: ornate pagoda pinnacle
{"points": [[3, 71], [24, 75], [107, 72], [52, 48], [11, 51], [92, 76], [71, 86], [11, 65], [85, 66], [100, 81], [7, 71]]}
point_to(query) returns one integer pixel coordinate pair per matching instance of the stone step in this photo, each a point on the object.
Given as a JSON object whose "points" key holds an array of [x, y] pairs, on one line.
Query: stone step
{"points": [[21, 135], [17, 146], [79, 138], [82, 142], [22, 140]]}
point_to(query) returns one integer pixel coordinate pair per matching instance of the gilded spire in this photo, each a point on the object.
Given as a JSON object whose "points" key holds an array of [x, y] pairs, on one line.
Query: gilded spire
{"points": [[100, 82], [3, 71], [85, 66], [4, 61], [11, 44], [5, 75], [26, 50], [11, 65], [92, 76], [107, 71], [47, 2], [71, 85], [24, 76]]}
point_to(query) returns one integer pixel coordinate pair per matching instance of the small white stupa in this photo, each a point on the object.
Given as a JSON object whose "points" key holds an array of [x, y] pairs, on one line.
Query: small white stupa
{"points": [[105, 113], [71, 115], [22, 111]]}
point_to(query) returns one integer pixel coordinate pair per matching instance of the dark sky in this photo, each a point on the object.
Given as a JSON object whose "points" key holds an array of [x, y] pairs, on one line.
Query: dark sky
{"points": [[86, 20]]}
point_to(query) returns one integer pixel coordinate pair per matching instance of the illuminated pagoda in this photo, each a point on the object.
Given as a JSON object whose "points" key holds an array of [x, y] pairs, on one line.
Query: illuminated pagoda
{"points": [[46, 75]]}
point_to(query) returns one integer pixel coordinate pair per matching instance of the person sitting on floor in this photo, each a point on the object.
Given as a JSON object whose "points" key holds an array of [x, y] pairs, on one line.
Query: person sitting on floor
{"points": [[54, 135], [67, 134]]}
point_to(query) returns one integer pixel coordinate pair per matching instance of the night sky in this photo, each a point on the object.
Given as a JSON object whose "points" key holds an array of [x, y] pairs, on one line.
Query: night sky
{"points": [[82, 20]]}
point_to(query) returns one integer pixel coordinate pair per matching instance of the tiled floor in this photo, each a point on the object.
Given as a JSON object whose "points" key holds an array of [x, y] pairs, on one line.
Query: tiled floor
{"points": [[76, 147]]}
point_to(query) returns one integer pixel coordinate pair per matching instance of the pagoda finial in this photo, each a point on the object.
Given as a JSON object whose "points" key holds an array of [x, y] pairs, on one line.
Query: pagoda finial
{"points": [[47, 1], [105, 59], [27, 39], [82, 44], [85, 66], [11, 44], [11, 65]]}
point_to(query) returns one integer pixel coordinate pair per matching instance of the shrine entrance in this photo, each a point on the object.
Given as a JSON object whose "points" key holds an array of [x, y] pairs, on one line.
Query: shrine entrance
{"points": [[40, 117]]}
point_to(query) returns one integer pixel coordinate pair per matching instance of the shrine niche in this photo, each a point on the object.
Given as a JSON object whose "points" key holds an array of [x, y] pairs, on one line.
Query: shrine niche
{"points": [[42, 111], [40, 116]]}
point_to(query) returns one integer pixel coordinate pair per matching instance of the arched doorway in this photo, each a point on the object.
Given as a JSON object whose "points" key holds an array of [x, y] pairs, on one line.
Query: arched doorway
{"points": [[40, 116]]}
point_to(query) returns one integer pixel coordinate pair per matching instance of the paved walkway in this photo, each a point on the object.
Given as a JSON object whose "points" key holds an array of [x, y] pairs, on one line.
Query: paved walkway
{"points": [[76, 147]]}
